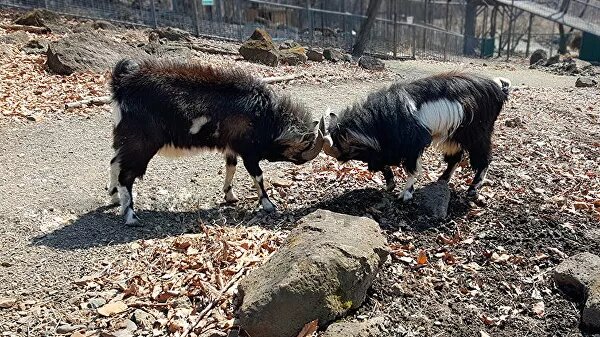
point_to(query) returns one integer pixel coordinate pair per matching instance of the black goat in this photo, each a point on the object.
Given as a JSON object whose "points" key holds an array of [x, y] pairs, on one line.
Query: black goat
{"points": [[175, 108], [453, 111]]}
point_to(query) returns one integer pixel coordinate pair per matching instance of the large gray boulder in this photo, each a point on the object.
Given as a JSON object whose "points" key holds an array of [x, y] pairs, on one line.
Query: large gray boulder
{"points": [[333, 55], [538, 56], [293, 56], [259, 48], [590, 317], [371, 63], [314, 55], [586, 82], [322, 270], [575, 275], [88, 51]]}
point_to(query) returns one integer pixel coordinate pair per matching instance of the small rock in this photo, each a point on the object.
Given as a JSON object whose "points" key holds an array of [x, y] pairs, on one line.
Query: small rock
{"points": [[104, 25], [333, 55], [95, 303], [144, 320], [280, 182], [172, 34], [7, 302], [289, 44], [514, 122], [259, 48], [112, 308], [347, 57], [35, 46], [369, 328], [371, 63], [434, 199], [78, 334], [126, 324], [586, 82], [553, 60], [67, 328], [38, 18], [322, 270], [314, 55], [590, 318], [293, 56], [576, 274], [538, 55]]}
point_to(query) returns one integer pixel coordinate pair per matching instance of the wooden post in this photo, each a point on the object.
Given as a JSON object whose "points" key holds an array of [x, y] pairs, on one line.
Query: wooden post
{"points": [[414, 41], [310, 22], [240, 18], [195, 16], [395, 9], [153, 9], [501, 31], [529, 35], [510, 28], [447, 29]]}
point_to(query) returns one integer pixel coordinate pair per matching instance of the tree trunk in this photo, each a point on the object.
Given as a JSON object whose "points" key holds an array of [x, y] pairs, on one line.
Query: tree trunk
{"points": [[365, 29], [562, 40]]}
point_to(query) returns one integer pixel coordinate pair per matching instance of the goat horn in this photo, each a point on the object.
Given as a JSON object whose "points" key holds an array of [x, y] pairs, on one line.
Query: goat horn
{"points": [[318, 144]]}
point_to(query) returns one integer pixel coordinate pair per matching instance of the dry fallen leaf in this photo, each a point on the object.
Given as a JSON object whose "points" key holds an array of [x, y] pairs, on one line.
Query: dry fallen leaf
{"points": [[309, 328], [539, 309], [112, 308], [422, 259]]}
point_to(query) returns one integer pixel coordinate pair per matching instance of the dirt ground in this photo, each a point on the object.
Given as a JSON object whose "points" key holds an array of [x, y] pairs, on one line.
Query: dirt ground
{"points": [[489, 263]]}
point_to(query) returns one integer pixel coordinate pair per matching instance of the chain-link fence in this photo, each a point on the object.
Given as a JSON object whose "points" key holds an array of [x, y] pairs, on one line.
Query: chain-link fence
{"points": [[317, 23]]}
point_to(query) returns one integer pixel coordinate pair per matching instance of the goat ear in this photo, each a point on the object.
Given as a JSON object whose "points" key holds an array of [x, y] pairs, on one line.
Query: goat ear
{"points": [[333, 118], [315, 123]]}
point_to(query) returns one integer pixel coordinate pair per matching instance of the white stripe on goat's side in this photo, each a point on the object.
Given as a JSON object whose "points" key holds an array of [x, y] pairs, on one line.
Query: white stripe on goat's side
{"points": [[441, 117], [171, 151], [198, 123], [116, 110]]}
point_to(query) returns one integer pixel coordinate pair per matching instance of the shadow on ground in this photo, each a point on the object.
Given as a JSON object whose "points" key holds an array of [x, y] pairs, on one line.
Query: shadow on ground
{"points": [[103, 226]]}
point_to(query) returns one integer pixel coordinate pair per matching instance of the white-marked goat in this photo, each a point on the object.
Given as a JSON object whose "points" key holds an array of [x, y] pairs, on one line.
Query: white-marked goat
{"points": [[176, 108], [453, 111]]}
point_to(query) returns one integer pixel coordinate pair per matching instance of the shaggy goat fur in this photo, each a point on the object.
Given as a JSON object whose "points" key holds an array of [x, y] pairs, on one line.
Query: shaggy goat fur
{"points": [[175, 109], [453, 111]]}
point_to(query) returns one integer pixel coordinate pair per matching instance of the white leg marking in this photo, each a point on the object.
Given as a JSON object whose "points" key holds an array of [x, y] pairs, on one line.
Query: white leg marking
{"points": [[116, 109], [198, 123], [257, 181], [130, 217], [482, 178], [407, 194], [125, 198], [227, 188]]}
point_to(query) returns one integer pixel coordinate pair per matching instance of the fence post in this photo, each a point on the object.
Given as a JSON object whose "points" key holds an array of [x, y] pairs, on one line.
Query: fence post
{"points": [[153, 9], [395, 29], [501, 31], [447, 30], [310, 22], [240, 18], [529, 35], [195, 16], [414, 41], [510, 28]]}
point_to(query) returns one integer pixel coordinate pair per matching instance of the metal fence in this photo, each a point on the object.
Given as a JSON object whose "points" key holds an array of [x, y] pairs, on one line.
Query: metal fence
{"points": [[318, 23]]}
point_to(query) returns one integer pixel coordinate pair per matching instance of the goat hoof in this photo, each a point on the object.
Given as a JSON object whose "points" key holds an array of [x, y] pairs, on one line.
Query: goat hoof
{"points": [[131, 219], [267, 205], [230, 198]]}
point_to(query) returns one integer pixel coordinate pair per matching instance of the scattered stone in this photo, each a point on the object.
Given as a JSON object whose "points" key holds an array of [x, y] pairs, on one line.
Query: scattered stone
{"points": [[514, 122], [87, 51], [576, 274], [172, 34], [371, 63], [68, 328], [259, 48], [280, 182], [293, 56], [586, 82], [590, 318], [553, 60], [126, 324], [104, 25], [322, 270], [348, 58], [38, 18], [370, 328], [289, 44], [78, 334], [333, 55], [35, 46], [144, 320], [18, 38], [112, 308], [95, 303], [538, 55], [434, 199], [314, 55], [7, 302]]}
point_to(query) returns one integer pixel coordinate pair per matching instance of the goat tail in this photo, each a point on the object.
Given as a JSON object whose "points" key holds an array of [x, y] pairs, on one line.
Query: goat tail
{"points": [[122, 68], [503, 83]]}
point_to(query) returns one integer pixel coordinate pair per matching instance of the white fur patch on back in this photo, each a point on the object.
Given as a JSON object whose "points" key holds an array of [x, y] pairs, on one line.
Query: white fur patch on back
{"points": [[116, 110], [198, 123], [441, 117], [502, 82]]}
